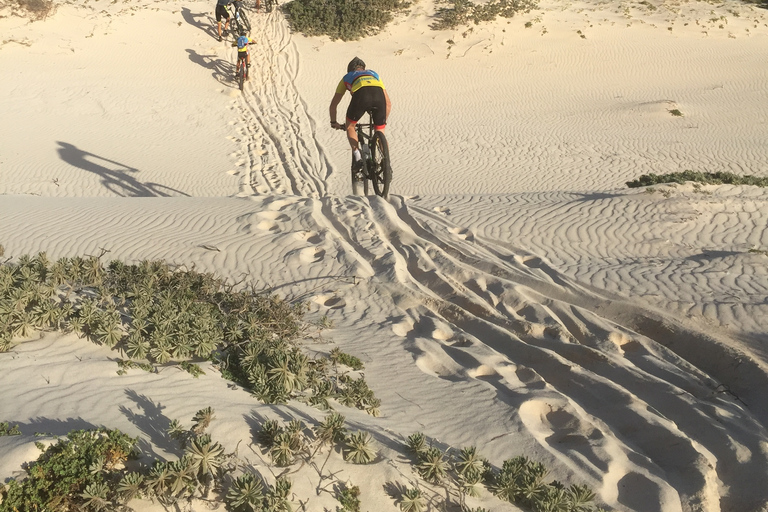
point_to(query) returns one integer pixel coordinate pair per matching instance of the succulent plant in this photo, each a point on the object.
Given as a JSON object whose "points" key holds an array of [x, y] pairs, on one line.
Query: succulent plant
{"points": [[246, 493], [206, 456], [358, 450], [130, 486], [432, 466], [412, 501]]}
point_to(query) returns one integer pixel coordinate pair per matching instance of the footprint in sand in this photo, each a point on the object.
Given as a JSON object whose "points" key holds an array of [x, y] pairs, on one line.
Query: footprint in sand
{"points": [[481, 371], [436, 363], [463, 233], [553, 423], [311, 255], [279, 204], [267, 225], [442, 209], [402, 328], [312, 237], [425, 327], [269, 220], [330, 301], [530, 378], [273, 215]]}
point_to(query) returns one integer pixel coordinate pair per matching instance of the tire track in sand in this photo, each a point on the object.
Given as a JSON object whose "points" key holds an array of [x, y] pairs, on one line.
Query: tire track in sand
{"points": [[588, 375], [590, 378], [278, 148]]}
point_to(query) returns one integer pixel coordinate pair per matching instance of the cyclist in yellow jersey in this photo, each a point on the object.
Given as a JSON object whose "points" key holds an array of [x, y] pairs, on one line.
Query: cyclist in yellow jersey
{"points": [[242, 43], [368, 93]]}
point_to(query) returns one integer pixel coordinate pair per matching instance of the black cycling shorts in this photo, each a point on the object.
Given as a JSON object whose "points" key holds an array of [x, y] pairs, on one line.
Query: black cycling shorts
{"points": [[368, 98], [221, 11]]}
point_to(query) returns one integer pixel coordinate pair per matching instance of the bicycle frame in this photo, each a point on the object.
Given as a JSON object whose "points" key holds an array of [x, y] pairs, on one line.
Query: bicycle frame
{"points": [[365, 131]]}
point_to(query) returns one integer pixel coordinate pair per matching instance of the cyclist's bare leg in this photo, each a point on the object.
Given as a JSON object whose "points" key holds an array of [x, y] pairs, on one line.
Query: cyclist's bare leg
{"points": [[352, 135], [226, 27]]}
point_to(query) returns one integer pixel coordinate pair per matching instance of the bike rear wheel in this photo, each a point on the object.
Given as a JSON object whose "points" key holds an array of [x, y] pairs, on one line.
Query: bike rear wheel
{"points": [[381, 173]]}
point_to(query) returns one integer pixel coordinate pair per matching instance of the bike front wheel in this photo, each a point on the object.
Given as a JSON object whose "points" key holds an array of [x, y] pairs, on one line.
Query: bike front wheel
{"points": [[241, 73], [381, 172], [359, 181], [245, 23]]}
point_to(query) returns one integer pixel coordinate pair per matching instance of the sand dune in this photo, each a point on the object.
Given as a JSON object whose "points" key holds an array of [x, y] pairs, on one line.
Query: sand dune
{"points": [[511, 294]]}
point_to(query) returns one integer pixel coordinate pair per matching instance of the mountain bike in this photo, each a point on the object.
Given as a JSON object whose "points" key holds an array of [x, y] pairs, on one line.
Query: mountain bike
{"points": [[241, 25], [376, 166], [269, 5], [241, 69]]}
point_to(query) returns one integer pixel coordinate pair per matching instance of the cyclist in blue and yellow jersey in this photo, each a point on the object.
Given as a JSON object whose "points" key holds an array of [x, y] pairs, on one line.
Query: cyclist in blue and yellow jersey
{"points": [[242, 52], [222, 12], [368, 92]]}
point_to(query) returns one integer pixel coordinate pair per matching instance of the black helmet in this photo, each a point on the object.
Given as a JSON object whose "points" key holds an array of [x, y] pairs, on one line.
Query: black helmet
{"points": [[355, 63]]}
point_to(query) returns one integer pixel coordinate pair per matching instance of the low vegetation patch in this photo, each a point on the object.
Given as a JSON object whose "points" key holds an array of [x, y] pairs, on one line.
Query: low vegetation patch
{"points": [[9, 430], [347, 20], [707, 178], [36, 9], [354, 19], [74, 474], [462, 12], [465, 472], [103, 469], [157, 314]]}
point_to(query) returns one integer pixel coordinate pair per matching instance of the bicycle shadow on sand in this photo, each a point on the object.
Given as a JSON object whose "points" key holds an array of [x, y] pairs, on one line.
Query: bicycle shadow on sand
{"points": [[195, 19], [222, 70], [116, 177]]}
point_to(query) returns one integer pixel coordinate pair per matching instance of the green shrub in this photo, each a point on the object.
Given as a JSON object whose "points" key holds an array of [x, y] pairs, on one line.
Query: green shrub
{"points": [[160, 314], [7, 430], [462, 12], [347, 20], [349, 498], [709, 178], [71, 473], [36, 9]]}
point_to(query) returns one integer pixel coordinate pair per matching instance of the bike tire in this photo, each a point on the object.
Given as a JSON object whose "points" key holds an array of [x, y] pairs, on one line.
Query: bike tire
{"points": [[381, 174], [245, 22], [359, 187], [241, 73]]}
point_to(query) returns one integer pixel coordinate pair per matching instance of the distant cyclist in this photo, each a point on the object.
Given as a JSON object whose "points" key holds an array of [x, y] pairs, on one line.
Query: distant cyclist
{"points": [[243, 53], [368, 93], [222, 12]]}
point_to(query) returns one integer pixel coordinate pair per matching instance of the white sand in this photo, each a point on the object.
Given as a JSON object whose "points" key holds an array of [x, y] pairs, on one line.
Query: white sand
{"points": [[512, 294]]}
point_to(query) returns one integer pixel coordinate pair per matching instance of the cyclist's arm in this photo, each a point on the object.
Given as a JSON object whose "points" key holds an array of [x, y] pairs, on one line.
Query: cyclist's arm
{"points": [[334, 104]]}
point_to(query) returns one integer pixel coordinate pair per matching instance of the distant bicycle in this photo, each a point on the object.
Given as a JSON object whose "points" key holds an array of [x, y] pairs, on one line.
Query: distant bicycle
{"points": [[241, 25], [376, 163], [269, 5]]}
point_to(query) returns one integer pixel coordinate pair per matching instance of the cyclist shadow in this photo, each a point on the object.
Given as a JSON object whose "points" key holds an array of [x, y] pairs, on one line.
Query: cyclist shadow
{"points": [[194, 19], [114, 175], [222, 70]]}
